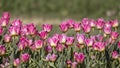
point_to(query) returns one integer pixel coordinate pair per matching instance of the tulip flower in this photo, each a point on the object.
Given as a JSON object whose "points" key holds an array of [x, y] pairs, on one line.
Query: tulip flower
{"points": [[4, 22], [1, 30], [107, 30], [7, 38], [63, 26], [100, 23], [77, 26], [74, 65], [89, 42], [6, 15], [62, 38], [69, 40], [79, 57], [114, 35], [16, 62], [118, 44], [53, 41], [70, 23], [114, 23], [99, 37], [48, 49], [38, 44], [80, 38], [32, 29], [14, 30], [43, 34], [47, 27], [2, 50], [17, 22], [25, 57], [92, 23], [100, 46], [86, 28], [115, 55], [68, 62], [60, 47], [51, 57], [24, 30], [85, 21]]}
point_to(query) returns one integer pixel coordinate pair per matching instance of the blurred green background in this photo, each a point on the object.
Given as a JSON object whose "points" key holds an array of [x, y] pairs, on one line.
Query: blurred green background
{"points": [[62, 8]]}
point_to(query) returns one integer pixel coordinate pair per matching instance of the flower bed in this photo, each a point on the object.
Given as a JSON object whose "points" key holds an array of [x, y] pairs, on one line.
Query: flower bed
{"points": [[94, 44]]}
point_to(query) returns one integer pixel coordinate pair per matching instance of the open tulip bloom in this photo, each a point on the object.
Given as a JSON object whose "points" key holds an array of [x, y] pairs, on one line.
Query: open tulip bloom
{"points": [[88, 43]]}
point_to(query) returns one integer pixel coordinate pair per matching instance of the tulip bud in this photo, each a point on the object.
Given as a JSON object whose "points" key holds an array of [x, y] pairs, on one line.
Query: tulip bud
{"points": [[114, 23], [79, 57], [7, 38], [53, 57], [38, 44], [114, 35], [4, 22], [16, 62], [32, 29], [62, 38], [53, 41], [17, 22], [60, 47], [63, 26], [47, 27], [115, 55], [89, 42], [43, 34], [100, 23], [77, 26], [14, 30], [2, 50], [80, 38], [6, 15], [70, 23], [69, 40], [48, 49], [25, 57], [68, 62]]}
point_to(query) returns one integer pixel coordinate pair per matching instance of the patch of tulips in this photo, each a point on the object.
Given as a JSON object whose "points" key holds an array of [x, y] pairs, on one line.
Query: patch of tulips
{"points": [[93, 44]]}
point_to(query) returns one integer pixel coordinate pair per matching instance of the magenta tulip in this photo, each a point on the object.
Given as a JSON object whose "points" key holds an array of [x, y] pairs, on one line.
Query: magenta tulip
{"points": [[17, 22], [70, 23], [24, 30], [77, 26], [89, 42], [25, 57], [80, 38], [2, 50], [48, 49], [114, 35], [100, 23], [7, 38], [1, 30], [16, 62], [6, 15], [114, 23], [43, 34], [38, 44], [47, 27], [32, 29], [63, 26], [115, 55], [62, 38], [4, 22], [53, 41], [79, 57], [69, 40], [14, 30], [60, 47]]}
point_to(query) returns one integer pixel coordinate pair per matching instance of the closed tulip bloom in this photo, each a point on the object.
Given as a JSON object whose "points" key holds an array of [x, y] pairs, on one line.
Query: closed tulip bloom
{"points": [[89, 42], [68, 62], [119, 44], [7, 38], [69, 40], [21, 46], [114, 35], [114, 23], [4, 22], [14, 30], [17, 22], [38, 44], [80, 38], [62, 38], [77, 26], [74, 65], [6, 15], [47, 27], [25, 57], [60, 47], [48, 49], [24, 30], [79, 57], [107, 30], [64, 26], [86, 28], [85, 21], [53, 41], [92, 23], [32, 29], [99, 46], [99, 37], [2, 50], [1, 30], [115, 55], [43, 34], [16, 62], [100, 23], [70, 23], [53, 57]]}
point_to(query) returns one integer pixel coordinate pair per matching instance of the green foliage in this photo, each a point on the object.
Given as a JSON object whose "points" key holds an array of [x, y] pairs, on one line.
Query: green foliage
{"points": [[81, 8]]}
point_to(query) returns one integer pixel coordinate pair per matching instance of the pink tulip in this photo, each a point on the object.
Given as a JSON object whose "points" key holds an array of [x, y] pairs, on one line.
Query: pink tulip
{"points": [[79, 57], [114, 35], [30, 42], [32, 48], [2, 50], [62, 38], [14, 30], [77, 26], [114, 54], [16, 62], [63, 26], [69, 40], [24, 30], [86, 28], [60, 47], [1, 30], [119, 44], [100, 23], [7, 38], [107, 30], [17, 22], [25, 57], [51, 57], [99, 37], [74, 65], [89, 42], [38, 44], [80, 38], [70, 23], [68, 62], [32, 29], [47, 27], [114, 23], [6, 15], [43, 34], [93, 38], [48, 49], [100, 46], [53, 41], [85, 21], [4, 22], [92, 23]]}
